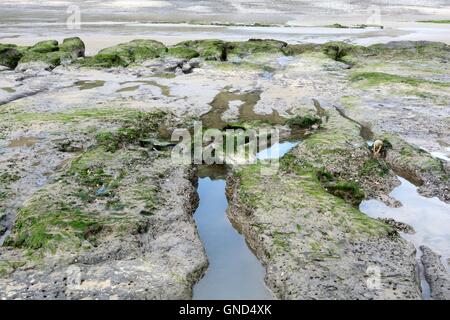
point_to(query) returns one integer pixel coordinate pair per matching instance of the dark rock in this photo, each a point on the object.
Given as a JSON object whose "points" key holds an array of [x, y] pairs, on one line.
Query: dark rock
{"points": [[68, 146], [398, 226], [436, 274], [9, 56]]}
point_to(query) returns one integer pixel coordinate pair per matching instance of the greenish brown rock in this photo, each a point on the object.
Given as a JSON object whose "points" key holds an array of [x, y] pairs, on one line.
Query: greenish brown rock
{"points": [[75, 46], [9, 55], [135, 51], [45, 46], [255, 46], [208, 49], [182, 52]]}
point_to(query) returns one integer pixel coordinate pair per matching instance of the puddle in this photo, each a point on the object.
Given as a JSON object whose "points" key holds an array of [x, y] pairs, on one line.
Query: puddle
{"points": [[164, 75], [9, 89], [128, 89], [234, 272], [165, 90], [441, 155], [266, 75], [221, 104], [283, 61], [277, 150], [365, 130], [89, 84], [430, 218], [27, 142]]}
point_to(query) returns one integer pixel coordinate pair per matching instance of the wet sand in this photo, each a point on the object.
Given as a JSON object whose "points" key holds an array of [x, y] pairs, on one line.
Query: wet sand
{"points": [[107, 23]]}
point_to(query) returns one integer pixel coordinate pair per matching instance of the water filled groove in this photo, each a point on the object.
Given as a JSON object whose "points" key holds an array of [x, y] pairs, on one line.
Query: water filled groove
{"points": [[234, 272]]}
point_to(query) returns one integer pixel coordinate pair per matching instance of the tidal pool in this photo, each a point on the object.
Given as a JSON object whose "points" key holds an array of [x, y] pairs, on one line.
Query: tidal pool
{"points": [[429, 217], [89, 84], [221, 104], [234, 272]]}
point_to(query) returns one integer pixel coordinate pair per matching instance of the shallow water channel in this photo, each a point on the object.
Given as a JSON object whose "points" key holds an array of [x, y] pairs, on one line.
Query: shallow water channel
{"points": [[234, 272], [429, 217]]}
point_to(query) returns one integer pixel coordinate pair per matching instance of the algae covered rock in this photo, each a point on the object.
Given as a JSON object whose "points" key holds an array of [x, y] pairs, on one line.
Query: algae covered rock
{"points": [[50, 59], [45, 46], [337, 50], [10, 55], [315, 245], [136, 50], [208, 49], [182, 52], [340, 152], [255, 46], [49, 54], [103, 60], [303, 122], [108, 217], [74, 46], [295, 49], [125, 54]]}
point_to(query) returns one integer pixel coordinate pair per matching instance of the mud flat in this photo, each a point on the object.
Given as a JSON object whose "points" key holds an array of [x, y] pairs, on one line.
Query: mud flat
{"points": [[90, 201]]}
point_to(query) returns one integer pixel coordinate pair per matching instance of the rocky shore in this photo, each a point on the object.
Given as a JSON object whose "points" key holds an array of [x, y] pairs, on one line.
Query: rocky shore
{"points": [[91, 207]]}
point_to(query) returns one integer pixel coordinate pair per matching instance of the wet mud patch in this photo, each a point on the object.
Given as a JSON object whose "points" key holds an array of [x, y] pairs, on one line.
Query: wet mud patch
{"points": [[9, 89], [165, 90], [225, 99], [128, 89], [27, 142], [89, 84]]}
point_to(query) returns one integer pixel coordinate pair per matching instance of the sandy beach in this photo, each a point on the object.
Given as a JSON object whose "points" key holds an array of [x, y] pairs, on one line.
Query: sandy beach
{"points": [[102, 25]]}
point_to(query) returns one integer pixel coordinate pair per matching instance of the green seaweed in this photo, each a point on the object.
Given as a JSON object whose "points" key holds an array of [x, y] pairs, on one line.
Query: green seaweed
{"points": [[207, 49], [182, 52], [45, 47], [377, 78], [303, 122], [255, 46], [374, 167], [134, 51], [103, 60], [35, 228], [10, 55]]}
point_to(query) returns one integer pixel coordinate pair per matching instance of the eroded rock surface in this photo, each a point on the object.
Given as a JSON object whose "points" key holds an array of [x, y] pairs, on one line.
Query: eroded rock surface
{"points": [[89, 201], [436, 274], [302, 223]]}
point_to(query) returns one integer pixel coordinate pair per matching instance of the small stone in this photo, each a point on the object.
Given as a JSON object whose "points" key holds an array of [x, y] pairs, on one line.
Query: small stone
{"points": [[146, 213], [187, 68], [179, 71], [195, 63], [67, 146], [398, 226]]}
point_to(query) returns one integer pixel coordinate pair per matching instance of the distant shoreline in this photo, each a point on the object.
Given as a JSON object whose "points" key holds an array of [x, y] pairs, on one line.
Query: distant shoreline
{"points": [[99, 35]]}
